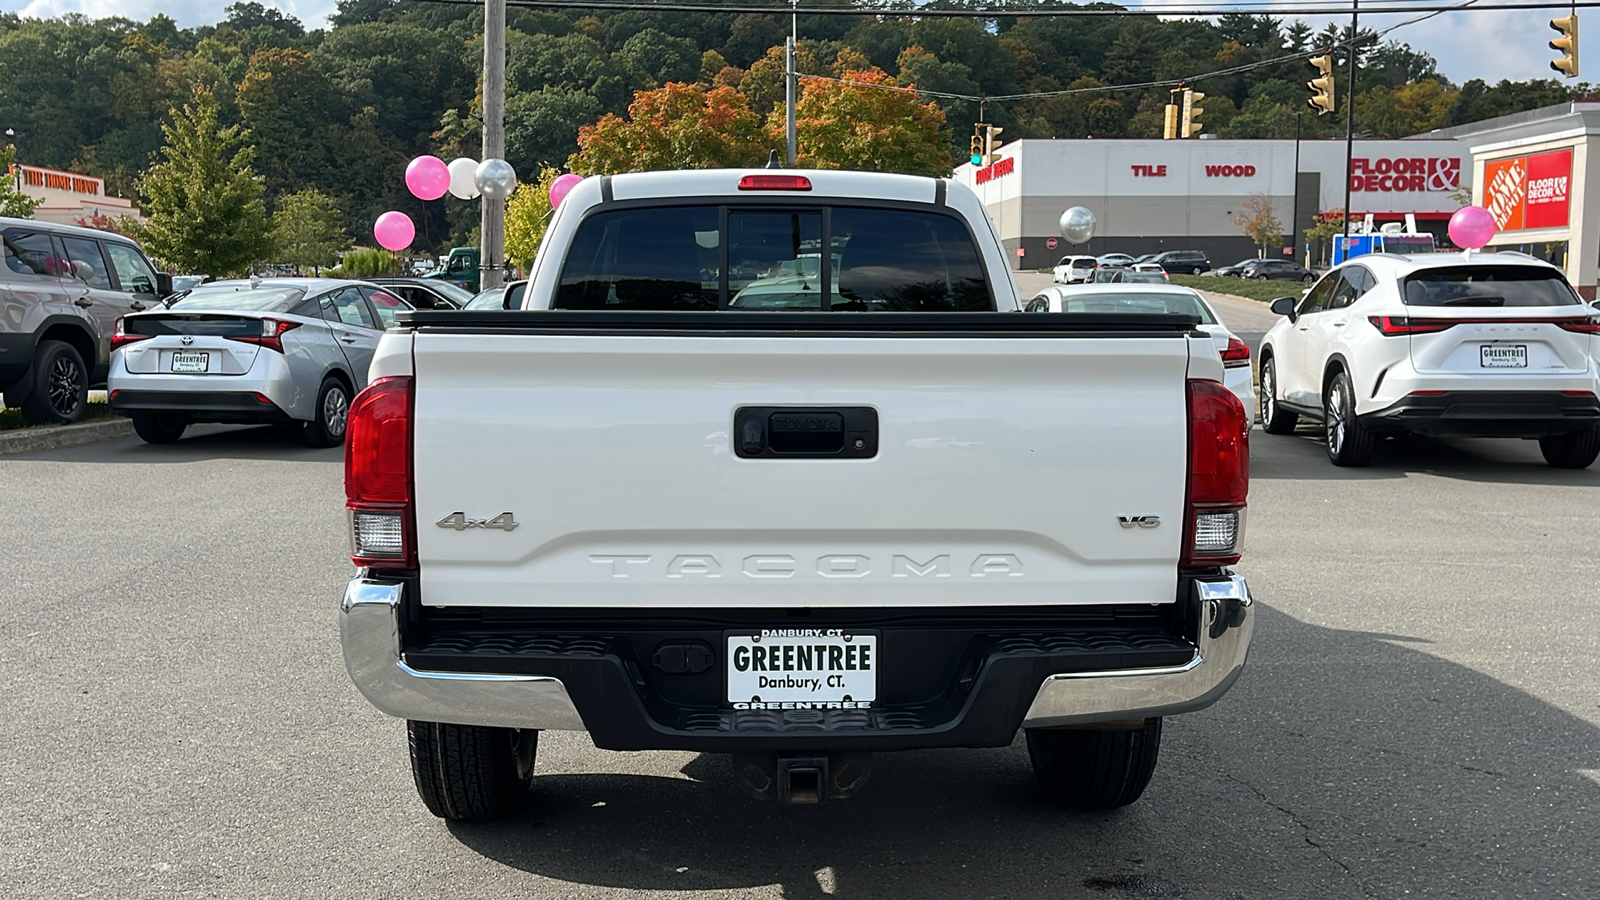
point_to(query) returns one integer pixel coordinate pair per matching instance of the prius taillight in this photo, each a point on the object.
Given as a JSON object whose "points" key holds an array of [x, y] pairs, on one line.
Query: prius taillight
{"points": [[271, 336], [1219, 476], [378, 476]]}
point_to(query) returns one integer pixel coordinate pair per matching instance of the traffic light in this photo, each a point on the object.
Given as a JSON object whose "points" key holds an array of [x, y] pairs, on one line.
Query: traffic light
{"points": [[977, 145], [1191, 113], [991, 144], [1322, 85], [1171, 129], [1567, 44]]}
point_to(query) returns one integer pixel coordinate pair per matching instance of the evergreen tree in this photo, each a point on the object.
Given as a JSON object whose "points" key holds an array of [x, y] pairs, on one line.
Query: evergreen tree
{"points": [[206, 211]]}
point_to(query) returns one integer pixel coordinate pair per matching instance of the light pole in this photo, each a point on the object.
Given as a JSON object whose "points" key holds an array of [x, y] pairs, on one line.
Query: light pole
{"points": [[1294, 204], [1350, 120]]}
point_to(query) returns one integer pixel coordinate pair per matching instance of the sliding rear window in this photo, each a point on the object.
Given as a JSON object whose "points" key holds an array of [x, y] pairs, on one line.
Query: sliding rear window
{"points": [[759, 258], [1489, 286]]}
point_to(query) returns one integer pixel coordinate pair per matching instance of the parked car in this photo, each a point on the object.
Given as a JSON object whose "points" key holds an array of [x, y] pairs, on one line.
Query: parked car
{"points": [[1074, 269], [1279, 268], [187, 282], [1115, 259], [62, 289], [427, 293], [1151, 269], [1105, 274], [1237, 269], [810, 609], [1132, 297], [1191, 262], [507, 296], [1495, 345], [284, 351]]}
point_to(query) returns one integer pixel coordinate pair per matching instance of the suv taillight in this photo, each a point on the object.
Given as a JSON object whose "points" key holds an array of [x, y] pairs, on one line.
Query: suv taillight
{"points": [[377, 476], [1237, 354], [1219, 476]]}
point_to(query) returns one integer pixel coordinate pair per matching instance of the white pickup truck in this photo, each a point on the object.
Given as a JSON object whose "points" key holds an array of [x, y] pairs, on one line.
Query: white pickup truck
{"points": [[769, 465]]}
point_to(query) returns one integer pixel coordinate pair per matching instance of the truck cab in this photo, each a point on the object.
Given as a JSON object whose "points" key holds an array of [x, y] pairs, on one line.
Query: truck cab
{"points": [[460, 268]]}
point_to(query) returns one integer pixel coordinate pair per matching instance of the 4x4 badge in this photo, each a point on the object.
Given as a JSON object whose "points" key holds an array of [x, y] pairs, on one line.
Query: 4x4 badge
{"points": [[459, 521]]}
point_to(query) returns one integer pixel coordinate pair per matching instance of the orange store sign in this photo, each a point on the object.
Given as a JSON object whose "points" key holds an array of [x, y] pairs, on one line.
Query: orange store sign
{"points": [[34, 176], [1529, 191]]}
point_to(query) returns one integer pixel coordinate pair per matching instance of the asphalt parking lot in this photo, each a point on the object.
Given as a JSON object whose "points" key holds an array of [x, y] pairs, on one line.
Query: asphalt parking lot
{"points": [[1419, 716]]}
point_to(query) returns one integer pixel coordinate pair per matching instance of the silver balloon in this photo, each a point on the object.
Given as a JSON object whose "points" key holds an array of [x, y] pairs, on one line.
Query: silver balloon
{"points": [[495, 179], [1077, 225]]}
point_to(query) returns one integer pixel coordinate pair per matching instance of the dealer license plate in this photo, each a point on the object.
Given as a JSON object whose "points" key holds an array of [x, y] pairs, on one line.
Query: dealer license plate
{"points": [[1504, 356], [190, 362], [798, 668]]}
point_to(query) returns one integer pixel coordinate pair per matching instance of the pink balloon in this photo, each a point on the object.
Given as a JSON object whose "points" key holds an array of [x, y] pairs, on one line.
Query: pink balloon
{"points": [[562, 186], [394, 231], [1472, 227], [428, 177]]}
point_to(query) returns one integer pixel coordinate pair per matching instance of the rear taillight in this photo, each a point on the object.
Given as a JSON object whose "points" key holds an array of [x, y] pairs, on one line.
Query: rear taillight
{"points": [[1219, 476], [377, 476], [1581, 326], [271, 336], [774, 183], [1394, 326], [1237, 355], [121, 338]]}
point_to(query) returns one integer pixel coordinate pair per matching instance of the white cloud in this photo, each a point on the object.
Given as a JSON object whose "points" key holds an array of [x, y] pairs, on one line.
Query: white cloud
{"points": [[187, 13]]}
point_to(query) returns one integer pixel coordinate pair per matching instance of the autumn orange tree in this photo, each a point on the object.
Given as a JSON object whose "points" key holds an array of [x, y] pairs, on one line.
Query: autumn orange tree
{"points": [[866, 121], [679, 126]]}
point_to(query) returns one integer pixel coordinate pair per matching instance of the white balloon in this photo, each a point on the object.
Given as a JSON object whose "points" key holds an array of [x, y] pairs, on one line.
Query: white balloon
{"points": [[1077, 225], [496, 179], [463, 173]]}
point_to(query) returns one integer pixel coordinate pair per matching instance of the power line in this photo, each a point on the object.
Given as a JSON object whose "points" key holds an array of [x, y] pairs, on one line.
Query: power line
{"points": [[1313, 8]]}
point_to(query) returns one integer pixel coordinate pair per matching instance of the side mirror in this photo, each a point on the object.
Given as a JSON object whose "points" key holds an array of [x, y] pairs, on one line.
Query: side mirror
{"points": [[1283, 306], [163, 285]]}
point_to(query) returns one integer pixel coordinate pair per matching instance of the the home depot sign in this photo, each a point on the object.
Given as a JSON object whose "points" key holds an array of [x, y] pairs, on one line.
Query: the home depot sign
{"points": [[1528, 191]]}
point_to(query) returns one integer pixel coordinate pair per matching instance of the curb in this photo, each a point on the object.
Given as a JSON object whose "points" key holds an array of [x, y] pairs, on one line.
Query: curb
{"points": [[30, 439]]}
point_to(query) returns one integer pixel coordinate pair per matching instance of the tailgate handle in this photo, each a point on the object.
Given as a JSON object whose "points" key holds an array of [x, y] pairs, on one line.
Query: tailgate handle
{"points": [[834, 432]]}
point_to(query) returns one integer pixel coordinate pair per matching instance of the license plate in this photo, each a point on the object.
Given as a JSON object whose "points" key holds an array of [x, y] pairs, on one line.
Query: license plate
{"points": [[796, 668], [1504, 356], [190, 362]]}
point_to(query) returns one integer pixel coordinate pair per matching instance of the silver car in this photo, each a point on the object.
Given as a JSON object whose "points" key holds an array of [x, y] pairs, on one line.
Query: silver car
{"points": [[285, 351]]}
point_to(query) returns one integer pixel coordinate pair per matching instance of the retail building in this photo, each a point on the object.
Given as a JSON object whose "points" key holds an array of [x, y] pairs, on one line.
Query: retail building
{"points": [[67, 197]]}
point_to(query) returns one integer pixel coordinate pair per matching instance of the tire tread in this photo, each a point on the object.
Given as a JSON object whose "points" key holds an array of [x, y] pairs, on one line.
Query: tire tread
{"points": [[1095, 770], [463, 773]]}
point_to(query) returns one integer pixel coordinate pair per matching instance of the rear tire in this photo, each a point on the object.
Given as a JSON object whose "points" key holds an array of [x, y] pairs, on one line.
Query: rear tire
{"points": [[1349, 442], [1274, 418], [1309, 280], [158, 427], [1094, 769], [57, 385], [1577, 450], [332, 415], [467, 772]]}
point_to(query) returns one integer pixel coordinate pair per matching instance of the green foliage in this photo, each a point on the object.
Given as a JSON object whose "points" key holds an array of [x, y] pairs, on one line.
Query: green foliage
{"points": [[13, 202], [527, 215], [369, 263], [307, 230], [1248, 288], [204, 201]]}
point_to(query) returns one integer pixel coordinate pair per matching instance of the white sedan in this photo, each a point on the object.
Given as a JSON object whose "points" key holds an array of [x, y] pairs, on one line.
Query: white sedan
{"points": [[1157, 299]]}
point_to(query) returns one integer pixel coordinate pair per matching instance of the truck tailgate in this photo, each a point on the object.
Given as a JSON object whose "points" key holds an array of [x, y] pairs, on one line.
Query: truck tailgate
{"points": [[1008, 471]]}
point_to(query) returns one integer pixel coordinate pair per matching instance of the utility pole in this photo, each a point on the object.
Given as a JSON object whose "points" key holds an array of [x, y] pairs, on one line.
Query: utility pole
{"points": [[1349, 121], [791, 80], [492, 227], [1294, 205]]}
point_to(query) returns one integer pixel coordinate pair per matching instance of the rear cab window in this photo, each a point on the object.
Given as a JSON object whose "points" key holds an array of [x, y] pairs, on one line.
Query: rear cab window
{"points": [[1489, 285], [760, 257]]}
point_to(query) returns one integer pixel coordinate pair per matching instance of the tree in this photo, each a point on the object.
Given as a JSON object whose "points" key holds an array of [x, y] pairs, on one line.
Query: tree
{"points": [[527, 215], [880, 128], [679, 126], [307, 230], [14, 203], [126, 226], [204, 200], [652, 58], [1255, 218], [1329, 224]]}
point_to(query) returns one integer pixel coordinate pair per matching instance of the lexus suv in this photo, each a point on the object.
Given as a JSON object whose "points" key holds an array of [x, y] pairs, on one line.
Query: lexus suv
{"points": [[1488, 345]]}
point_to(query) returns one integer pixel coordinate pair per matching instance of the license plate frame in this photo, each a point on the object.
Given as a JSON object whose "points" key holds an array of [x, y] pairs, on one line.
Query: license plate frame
{"points": [[801, 687], [191, 362], [1502, 356]]}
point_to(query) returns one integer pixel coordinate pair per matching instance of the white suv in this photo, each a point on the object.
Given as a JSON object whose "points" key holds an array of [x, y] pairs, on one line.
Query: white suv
{"points": [[1074, 269], [1492, 345]]}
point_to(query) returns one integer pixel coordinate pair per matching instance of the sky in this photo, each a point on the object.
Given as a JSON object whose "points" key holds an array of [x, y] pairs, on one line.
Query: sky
{"points": [[1487, 44]]}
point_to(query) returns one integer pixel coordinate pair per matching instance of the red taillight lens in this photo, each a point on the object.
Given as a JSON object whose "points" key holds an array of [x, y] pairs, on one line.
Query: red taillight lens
{"points": [[377, 475], [1581, 326], [774, 183], [1219, 476], [1394, 326], [1237, 354], [271, 335], [121, 338]]}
